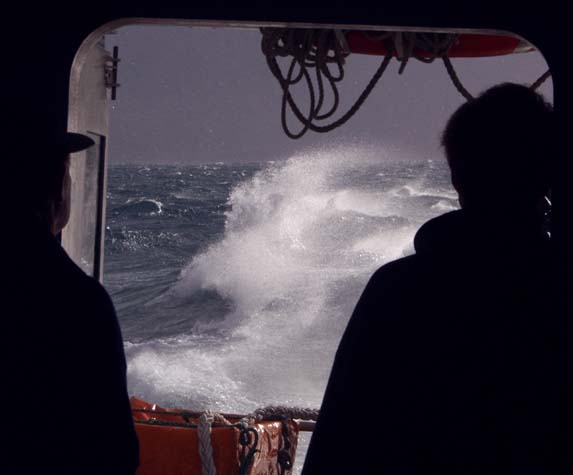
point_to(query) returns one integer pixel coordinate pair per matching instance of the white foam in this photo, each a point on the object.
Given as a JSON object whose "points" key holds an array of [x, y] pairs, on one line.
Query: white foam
{"points": [[445, 205], [181, 374], [300, 242], [389, 245], [158, 204]]}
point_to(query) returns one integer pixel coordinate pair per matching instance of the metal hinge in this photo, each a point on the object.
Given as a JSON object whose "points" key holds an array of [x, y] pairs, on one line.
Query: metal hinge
{"points": [[110, 69]]}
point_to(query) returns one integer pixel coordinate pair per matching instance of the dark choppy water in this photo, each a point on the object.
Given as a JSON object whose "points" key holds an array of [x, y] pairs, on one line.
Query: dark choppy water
{"points": [[233, 283]]}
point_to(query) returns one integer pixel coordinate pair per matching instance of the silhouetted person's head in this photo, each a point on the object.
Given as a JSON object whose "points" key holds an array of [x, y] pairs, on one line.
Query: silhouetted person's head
{"points": [[49, 199], [498, 148], [37, 180]]}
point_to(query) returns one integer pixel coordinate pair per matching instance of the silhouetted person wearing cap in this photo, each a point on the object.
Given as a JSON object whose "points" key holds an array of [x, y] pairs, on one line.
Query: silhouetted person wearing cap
{"points": [[66, 408], [458, 359]]}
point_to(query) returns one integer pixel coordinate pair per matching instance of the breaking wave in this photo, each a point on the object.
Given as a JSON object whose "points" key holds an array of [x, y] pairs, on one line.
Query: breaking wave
{"points": [[259, 312]]}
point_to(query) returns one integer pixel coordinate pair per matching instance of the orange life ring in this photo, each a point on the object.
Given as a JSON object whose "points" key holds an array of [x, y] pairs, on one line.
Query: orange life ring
{"points": [[466, 46], [174, 449]]}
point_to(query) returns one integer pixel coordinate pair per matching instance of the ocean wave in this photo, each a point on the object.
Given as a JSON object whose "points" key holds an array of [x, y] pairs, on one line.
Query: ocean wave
{"points": [[285, 252], [139, 207], [297, 229], [421, 190]]}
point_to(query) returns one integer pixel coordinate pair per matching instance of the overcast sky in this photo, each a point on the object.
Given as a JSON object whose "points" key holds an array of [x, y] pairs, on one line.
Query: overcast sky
{"points": [[200, 95]]}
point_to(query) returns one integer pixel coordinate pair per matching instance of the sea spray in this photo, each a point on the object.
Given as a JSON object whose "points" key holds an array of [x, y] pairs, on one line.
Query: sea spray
{"points": [[264, 272]]}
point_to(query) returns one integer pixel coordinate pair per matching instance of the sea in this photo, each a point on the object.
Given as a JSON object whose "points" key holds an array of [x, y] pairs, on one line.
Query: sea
{"points": [[233, 283]]}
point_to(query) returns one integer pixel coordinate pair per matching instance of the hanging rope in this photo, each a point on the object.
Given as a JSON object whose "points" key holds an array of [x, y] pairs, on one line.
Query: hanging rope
{"points": [[425, 47], [325, 51], [464, 92], [318, 50], [455, 79], [205, 446], [248, 447], [541, 80]]}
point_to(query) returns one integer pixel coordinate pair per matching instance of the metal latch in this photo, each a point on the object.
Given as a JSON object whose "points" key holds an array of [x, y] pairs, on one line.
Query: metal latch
{"points": [[110, 69]]}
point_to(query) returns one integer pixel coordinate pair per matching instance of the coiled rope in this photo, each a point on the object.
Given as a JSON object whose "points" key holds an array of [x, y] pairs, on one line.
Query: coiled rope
{"points": [[318, 50], [274, 412], [282, 413], [324, 50]]}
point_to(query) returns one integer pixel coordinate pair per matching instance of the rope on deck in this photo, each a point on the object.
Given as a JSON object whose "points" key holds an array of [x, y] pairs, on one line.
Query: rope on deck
{"points": [[281, 413], [205, 446]]}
